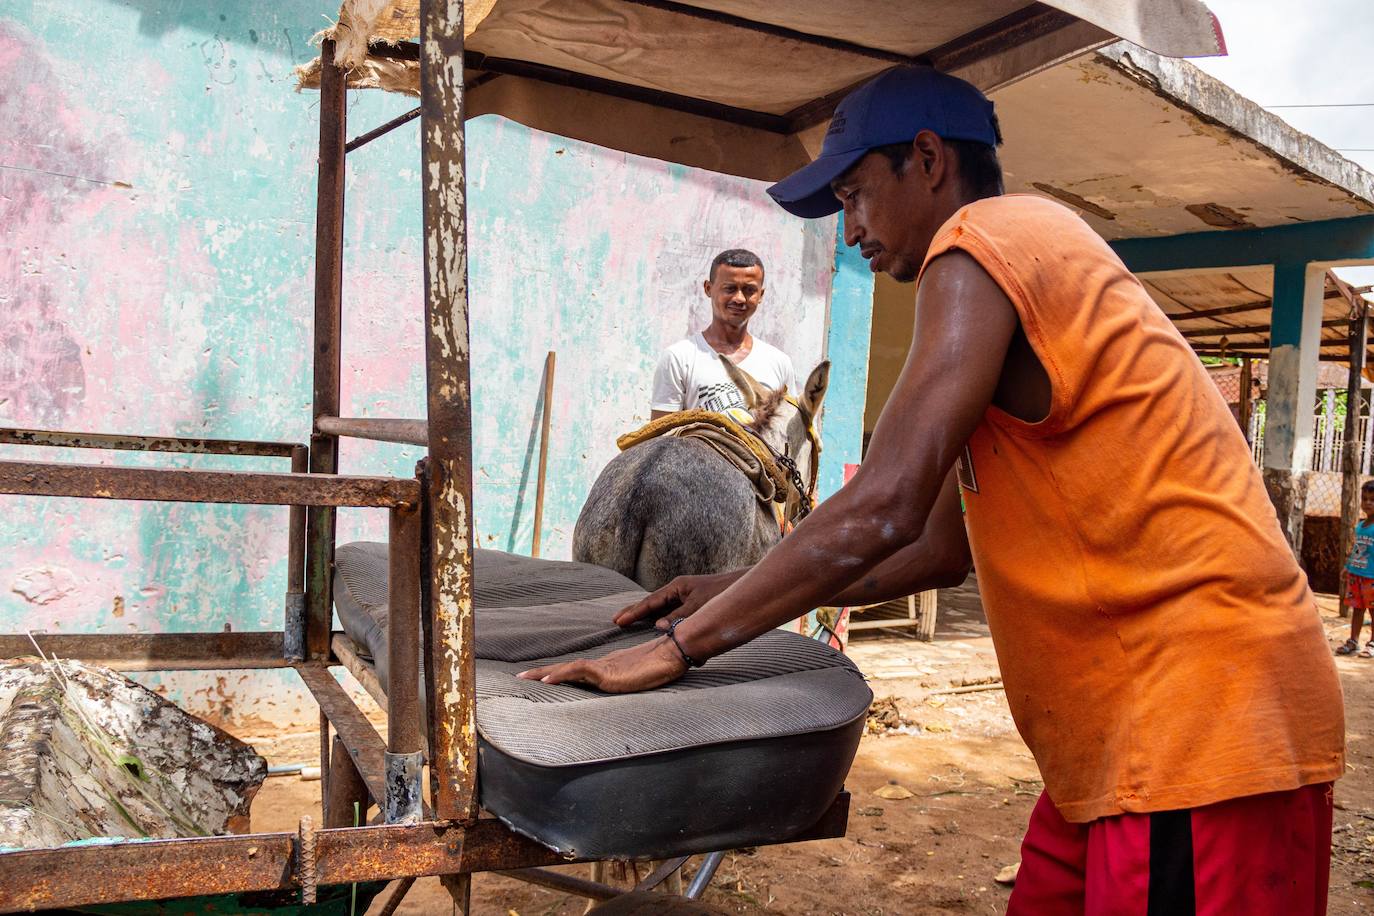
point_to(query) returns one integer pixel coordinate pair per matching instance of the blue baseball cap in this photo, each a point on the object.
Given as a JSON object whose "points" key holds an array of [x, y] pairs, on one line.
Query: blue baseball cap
{"points": [[892, 108]]}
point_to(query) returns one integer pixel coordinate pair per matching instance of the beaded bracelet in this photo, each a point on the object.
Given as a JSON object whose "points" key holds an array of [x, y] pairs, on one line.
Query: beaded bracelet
{"points": [[672, 627]]}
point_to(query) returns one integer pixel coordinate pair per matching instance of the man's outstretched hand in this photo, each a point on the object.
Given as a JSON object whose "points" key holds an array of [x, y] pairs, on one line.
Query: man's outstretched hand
{"points": [[680, 598], [644, 667]]}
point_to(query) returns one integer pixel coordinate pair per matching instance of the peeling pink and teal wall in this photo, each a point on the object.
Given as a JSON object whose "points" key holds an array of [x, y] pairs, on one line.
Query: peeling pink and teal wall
{"points": [[157, 176]]}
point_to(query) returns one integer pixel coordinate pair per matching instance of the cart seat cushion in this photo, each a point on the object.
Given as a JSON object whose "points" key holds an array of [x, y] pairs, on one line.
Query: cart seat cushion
{"points": [[750, 748]]}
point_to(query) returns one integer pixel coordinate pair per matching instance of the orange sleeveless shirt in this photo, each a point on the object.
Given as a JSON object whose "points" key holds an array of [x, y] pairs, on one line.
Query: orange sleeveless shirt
{"points": [[1158, 642]]}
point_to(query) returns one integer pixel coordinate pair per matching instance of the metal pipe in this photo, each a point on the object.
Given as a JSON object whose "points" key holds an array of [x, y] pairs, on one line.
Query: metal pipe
{"points": [[568, 884], [386, 128], [293, 626], [295, 545], [120, 442], [324, 449], [550, 362], [665, 870], [188, 485], [430, 702], [344, 789], [403, 632], [155, 651], [449, 409], [404, 758], [704, 874], [406, 432], [324, 762]]}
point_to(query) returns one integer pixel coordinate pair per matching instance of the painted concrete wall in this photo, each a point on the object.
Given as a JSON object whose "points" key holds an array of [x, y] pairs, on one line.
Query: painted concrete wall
{"points": [[156, 228]]}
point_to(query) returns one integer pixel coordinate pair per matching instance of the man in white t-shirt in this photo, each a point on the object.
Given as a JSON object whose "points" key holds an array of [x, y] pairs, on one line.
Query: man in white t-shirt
{"points": [[689, 374]]}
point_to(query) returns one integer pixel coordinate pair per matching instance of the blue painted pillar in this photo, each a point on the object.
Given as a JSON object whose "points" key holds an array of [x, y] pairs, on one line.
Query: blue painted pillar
{"points": [[1294, 353], [850, 322]]}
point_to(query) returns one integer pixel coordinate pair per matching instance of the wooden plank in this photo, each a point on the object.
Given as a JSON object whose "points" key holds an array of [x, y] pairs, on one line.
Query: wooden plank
{"points": [[550, 363]]}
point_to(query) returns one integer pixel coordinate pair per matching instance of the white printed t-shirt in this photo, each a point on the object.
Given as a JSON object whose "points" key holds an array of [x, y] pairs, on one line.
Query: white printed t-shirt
{"points": [[690, 377]]}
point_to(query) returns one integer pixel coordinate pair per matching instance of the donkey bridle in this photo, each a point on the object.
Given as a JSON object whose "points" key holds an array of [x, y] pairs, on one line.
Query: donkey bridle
{"points": [[805, 493]]}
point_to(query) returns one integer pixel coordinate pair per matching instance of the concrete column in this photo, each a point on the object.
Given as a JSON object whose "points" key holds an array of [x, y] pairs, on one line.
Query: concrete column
{"points": [[1294, 351]]}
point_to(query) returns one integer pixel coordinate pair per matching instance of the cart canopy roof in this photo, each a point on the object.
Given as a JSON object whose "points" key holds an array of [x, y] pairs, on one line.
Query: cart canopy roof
{"points": [[735, 86]]}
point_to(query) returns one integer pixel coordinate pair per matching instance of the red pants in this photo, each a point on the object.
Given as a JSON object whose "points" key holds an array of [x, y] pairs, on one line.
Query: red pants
{"points": [[1261, 855]]}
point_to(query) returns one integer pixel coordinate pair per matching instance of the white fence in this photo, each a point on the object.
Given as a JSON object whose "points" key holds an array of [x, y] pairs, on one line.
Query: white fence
{"points": [[1328, 435]]}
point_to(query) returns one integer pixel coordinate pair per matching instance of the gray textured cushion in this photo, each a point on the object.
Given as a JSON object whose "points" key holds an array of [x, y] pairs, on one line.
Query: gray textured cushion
{"points": [[751, 748], [531, 612]]}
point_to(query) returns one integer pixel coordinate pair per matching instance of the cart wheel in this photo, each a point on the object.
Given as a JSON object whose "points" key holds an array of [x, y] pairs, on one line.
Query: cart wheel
{"points": [[647, 903]]}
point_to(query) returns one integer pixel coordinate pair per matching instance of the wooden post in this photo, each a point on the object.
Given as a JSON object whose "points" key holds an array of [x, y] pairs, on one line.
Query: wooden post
{"points": [[1328, 430], [1350, 457], [549, 362], [1368, 447], [1245, 405]]}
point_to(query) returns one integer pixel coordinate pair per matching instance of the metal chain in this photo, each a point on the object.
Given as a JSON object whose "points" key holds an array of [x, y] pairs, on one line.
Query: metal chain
{"points": [[794, 477], [804, 497]]}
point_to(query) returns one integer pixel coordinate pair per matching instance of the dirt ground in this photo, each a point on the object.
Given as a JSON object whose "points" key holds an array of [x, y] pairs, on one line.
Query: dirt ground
{"points": [[971, 780]]}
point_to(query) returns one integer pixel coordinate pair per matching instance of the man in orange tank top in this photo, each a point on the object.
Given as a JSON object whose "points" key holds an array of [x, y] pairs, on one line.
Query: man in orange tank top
{"points": [[1161, 652]]}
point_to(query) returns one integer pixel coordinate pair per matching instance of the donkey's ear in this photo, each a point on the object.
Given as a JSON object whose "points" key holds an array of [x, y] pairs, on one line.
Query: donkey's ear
{"points": [[754, 392], [814, 390]]}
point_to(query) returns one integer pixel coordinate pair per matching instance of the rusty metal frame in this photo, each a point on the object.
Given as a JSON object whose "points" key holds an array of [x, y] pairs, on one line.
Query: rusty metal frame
{"points": [[430, 573], [181, 444], [42, 879]]}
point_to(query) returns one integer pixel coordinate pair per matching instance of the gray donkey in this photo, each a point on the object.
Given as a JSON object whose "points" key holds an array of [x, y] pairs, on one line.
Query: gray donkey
{"points": [[673, 506]]}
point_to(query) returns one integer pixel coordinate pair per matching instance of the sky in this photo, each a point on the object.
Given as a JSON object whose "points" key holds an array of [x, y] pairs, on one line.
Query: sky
{"points": [[1286, 53], [1311, 53]]}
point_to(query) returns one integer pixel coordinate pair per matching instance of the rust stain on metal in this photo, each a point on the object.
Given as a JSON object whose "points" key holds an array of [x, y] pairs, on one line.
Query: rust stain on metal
{"points": [[181, 444], [449, 407], [404, 735], [365, 747], [85, 875], [193, 485], [155, 651]]}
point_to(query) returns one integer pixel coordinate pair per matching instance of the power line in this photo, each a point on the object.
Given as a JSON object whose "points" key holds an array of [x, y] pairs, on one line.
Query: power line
{"points": [[1327, 105]]}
